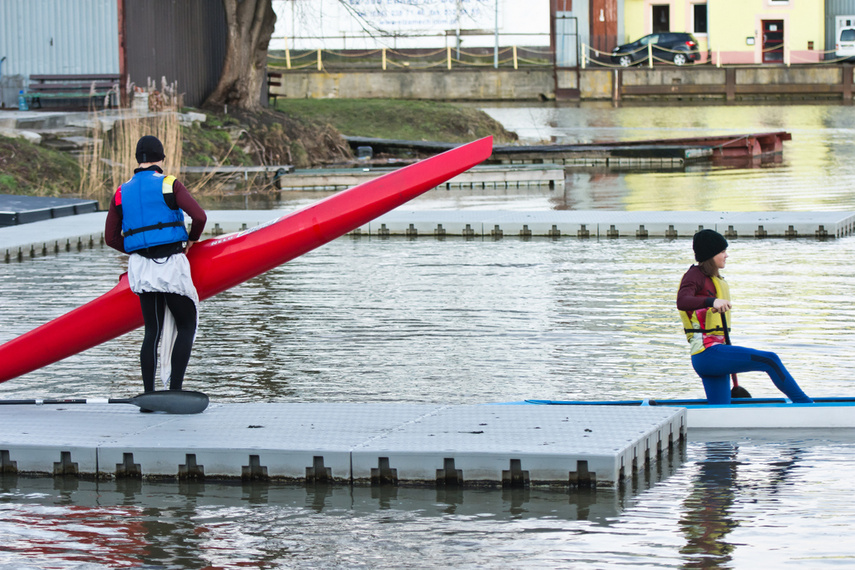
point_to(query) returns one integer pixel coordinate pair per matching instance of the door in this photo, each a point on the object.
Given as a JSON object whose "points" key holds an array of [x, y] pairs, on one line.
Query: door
{"points": [[661, 18], [566, 40], [773, 41]]}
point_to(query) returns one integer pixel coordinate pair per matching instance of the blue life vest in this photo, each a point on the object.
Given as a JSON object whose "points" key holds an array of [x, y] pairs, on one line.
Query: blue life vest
{"points": [[148, 219]]}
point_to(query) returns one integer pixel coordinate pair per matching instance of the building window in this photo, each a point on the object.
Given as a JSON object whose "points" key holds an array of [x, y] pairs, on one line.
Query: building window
{"points": [[700, 18]]}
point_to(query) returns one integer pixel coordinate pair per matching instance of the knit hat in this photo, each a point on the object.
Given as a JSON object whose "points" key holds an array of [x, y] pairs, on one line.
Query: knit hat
{"points": [[149, 149], [707, 244]]}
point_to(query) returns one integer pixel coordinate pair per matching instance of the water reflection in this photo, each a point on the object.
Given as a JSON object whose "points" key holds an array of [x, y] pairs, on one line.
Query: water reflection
{"points": [[708, 516], [64, 522]]}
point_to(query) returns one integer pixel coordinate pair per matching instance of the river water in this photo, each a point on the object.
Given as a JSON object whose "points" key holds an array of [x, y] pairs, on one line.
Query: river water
{"points": [[426, 320]]}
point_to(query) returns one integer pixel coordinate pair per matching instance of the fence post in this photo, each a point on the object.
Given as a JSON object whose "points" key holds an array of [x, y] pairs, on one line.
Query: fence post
{"points": [[516, 65], [384, 59], [650, 56], [448, 56], [320, 65], [584, 55], [287, 55], [718, 58]]}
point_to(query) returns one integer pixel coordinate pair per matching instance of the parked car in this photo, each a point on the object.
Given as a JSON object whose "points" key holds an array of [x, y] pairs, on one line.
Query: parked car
{"points": [[679, 47], [845, 46]]}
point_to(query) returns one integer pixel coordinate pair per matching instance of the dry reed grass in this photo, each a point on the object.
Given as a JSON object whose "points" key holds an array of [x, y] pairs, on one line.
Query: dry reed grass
{"points": [[111, 160]]}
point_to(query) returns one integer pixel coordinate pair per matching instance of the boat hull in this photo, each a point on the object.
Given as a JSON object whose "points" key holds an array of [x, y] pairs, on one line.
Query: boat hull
{"points": [[747, 413], [220, 263]]}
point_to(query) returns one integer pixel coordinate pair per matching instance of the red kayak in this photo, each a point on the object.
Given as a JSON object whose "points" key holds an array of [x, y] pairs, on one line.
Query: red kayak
{"points": [[226, 261]]}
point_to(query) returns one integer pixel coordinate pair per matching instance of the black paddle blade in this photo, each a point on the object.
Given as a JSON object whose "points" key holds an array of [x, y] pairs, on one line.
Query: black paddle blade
{"points": [[172, 401], [739, 392]]}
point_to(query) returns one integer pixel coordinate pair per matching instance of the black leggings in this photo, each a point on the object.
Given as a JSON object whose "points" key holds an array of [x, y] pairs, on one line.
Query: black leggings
{"points": [[153, 308]]}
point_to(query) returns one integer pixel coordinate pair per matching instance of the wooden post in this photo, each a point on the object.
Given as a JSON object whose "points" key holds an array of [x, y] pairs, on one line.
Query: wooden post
{"points": [[384, 59], [287, 55], [448, 56], [650, 56], [584, 55], [515, 58], [718, 58], [320, 64]]}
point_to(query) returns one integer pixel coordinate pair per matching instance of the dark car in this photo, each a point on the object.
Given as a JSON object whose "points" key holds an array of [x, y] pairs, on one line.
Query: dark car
{"points": [[679, 47]]}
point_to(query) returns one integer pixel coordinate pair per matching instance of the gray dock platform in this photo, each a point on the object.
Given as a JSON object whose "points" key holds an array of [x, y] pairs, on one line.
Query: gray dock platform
{"points": [[610, 224], [286, 178], [85, 230], [16, 210], [360, 444], [478, 177]]}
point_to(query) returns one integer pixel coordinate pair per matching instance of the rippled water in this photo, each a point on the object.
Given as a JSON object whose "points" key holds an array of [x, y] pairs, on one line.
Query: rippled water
{"points": [[426, 320], [372, 320]]}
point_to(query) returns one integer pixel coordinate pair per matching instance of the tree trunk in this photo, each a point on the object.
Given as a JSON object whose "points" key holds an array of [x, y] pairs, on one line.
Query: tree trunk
{"points": [[250, 25]]}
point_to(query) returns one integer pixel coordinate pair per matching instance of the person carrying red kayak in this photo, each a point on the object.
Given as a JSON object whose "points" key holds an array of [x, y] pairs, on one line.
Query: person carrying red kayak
{"points": [[146, 220], [704, 304]]}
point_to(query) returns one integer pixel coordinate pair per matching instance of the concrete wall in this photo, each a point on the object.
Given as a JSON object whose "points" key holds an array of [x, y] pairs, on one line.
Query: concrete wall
{"points": [[474, 84], [510, 85]]}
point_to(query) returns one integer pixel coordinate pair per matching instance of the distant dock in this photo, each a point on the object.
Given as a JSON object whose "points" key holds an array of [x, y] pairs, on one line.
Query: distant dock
{"points": [[650, 153], [53, 236]]}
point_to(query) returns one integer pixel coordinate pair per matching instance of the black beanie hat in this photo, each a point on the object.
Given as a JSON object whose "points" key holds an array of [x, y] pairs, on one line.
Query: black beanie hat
{"points": [[149, 149], [707, 244]]}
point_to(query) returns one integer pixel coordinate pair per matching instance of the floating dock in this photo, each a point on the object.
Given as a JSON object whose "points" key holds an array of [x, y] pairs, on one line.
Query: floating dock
{"points": [[86, 230], [618, 154], [359, 444], [479, 177], [16, 210], [286, 178], [610, 224]]}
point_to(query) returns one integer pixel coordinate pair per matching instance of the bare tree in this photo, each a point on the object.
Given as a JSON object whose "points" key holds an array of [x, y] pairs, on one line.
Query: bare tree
{"points": [[250, 25]]}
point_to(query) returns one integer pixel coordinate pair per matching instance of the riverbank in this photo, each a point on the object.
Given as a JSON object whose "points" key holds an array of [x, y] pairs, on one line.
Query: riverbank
{"points": [[41, 157]]}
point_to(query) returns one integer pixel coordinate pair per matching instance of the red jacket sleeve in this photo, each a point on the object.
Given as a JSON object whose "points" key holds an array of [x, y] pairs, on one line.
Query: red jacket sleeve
{"points": [[113, 227], [694, 292], [192, 208]]}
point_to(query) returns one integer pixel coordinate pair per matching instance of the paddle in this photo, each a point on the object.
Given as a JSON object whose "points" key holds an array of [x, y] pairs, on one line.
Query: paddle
{"points": [[737, 391], [169, 401]]}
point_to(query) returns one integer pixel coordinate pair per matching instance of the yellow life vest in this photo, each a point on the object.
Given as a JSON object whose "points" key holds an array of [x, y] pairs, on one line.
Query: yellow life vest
{"points": [[703, 326]]}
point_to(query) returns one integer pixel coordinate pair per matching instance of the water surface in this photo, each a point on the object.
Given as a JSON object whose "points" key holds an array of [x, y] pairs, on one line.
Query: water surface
{"points": [[445, 321]]}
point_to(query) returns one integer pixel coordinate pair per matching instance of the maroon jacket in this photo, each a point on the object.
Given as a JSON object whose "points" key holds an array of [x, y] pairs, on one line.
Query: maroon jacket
{"points": [[113, 226], [697, 291]]}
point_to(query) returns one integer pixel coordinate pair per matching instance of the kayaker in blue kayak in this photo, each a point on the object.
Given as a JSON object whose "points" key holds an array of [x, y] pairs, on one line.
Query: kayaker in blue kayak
{"points": [[704, 304]]}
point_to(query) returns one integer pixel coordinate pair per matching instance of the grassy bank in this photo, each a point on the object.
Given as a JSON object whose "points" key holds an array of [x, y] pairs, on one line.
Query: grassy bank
{"points": [[304, 133], [399, 119], [30, 169]]}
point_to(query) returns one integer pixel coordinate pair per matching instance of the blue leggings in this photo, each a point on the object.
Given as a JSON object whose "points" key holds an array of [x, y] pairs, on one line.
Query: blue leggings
{"points": [[718, 362]]}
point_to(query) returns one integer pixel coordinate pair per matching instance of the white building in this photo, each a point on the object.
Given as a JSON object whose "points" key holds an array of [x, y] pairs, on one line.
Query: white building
{"points": [[372, 24]]}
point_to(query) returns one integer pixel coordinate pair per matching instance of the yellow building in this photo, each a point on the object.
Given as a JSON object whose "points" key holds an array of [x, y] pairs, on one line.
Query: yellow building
{"points": [[736, 31]]}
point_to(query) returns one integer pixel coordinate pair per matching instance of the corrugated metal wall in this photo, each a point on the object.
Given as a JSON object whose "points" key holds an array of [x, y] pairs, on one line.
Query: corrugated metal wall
{"points": [[181, 40], [834, 8], [59, 36]]}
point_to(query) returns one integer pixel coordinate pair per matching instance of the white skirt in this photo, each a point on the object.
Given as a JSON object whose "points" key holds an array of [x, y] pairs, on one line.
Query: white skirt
{"points": [[164, 275]]}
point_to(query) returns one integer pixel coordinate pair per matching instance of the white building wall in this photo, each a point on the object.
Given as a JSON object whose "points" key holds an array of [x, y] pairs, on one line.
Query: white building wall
{"points": [[372, 24], [59, 37]]}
